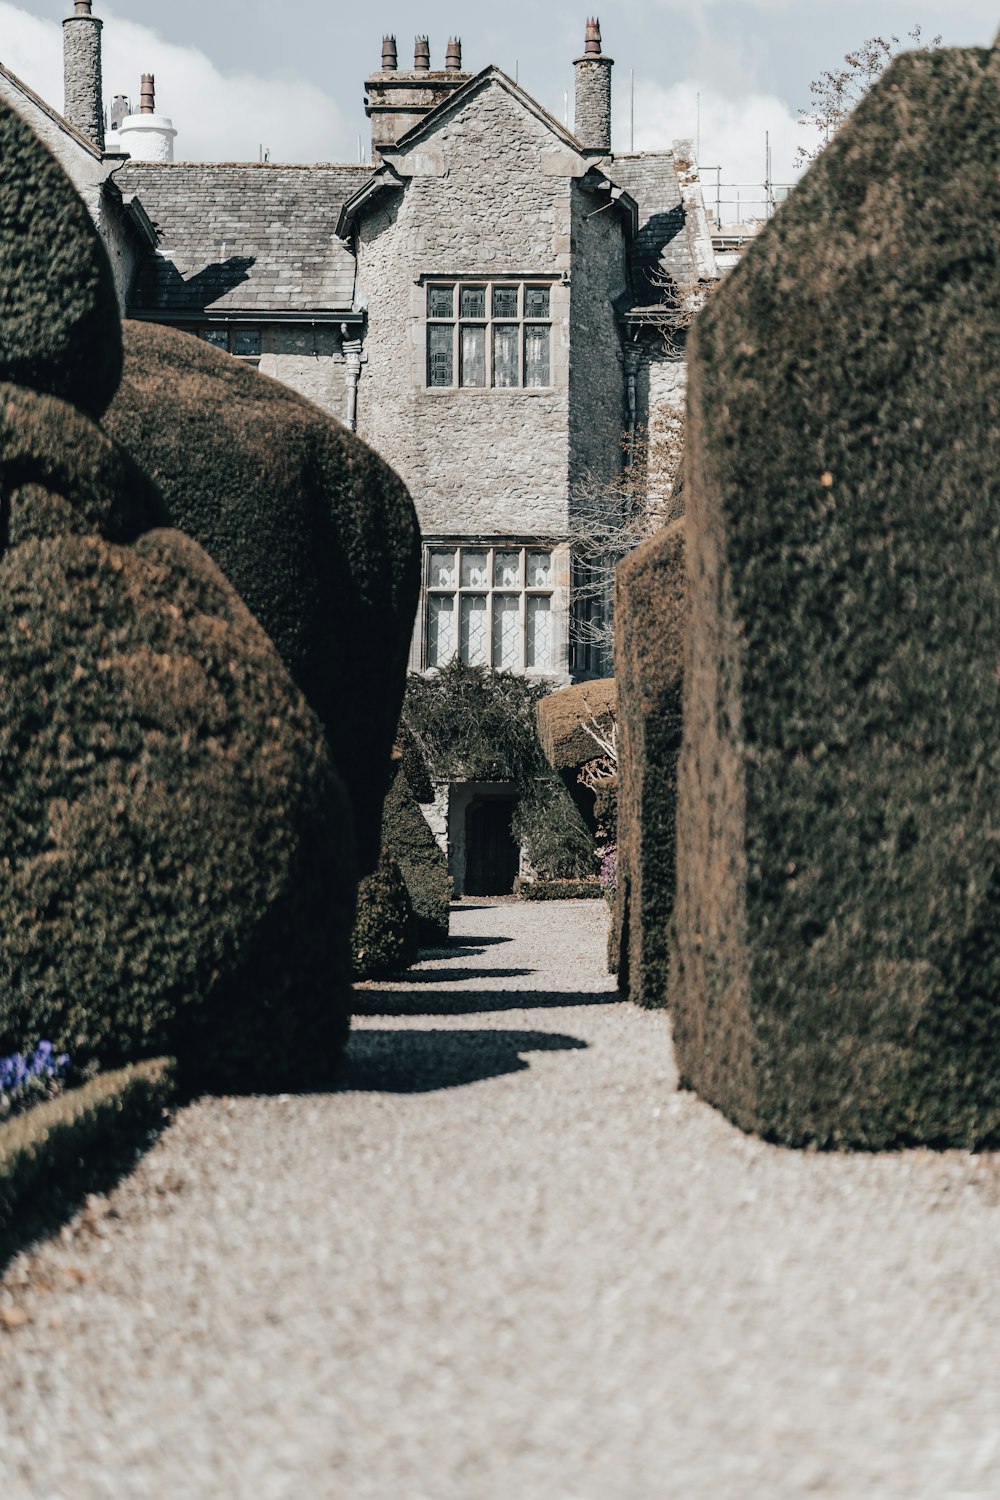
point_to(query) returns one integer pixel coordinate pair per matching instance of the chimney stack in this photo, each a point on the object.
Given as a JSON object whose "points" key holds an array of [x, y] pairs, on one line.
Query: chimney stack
{"points": [[147, 136], [592, 124], [83, 104], [397, 99]]}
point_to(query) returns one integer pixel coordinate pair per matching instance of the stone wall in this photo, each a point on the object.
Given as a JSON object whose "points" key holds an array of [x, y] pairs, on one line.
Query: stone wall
{"points": [[476, 461], [309, 360]]}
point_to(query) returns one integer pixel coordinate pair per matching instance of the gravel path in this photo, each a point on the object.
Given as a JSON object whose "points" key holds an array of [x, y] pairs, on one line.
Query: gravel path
{"points": [[508, 1262]]}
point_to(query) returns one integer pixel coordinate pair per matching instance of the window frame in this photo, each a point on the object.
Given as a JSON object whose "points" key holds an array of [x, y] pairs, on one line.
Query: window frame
{"points": [[232, 332], [490, 591], [458, 321]]}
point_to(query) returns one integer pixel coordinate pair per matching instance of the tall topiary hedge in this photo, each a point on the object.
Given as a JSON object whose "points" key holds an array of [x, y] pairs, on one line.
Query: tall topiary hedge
{"points": [[176, 859], [838, 907], [650, 614], [422, 863], [317, 535]]}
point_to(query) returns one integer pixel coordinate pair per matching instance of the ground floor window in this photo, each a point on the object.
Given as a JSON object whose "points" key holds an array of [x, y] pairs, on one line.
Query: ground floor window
{"points": [[490, 605], [238, 339]]}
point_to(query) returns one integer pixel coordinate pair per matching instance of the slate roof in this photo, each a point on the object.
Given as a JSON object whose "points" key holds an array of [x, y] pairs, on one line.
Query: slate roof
{"points": [[243, 239], [671, 239]]}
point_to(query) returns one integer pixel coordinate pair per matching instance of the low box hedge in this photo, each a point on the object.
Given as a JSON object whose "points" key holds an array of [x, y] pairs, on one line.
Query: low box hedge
{"points": [[51, 1148], [559, 890]]}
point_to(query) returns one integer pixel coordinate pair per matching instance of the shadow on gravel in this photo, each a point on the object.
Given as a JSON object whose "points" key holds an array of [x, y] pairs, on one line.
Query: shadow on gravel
{"points": [[100, 1171], [421, 1062], [376, 1002], [458, 976]]}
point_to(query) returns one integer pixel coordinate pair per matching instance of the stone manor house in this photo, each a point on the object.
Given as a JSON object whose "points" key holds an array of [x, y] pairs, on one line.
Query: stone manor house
{"points": [[481, 302]]}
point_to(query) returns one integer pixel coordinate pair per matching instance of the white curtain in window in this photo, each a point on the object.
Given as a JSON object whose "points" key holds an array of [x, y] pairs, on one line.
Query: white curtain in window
{"points": [[473, 356], [505, 370], [507, 631], [537, 339], [475, 644], [539, 642], [440, 630]]}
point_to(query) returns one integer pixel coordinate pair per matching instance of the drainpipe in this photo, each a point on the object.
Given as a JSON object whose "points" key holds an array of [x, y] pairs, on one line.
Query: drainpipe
{"points": [[354, 358]]}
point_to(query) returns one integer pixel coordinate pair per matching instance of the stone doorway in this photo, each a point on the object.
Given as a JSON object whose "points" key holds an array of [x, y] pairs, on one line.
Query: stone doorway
{"points": [[492, 858]]}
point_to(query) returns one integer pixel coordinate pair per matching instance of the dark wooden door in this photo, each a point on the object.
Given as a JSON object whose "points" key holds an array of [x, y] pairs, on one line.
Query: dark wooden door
{"points": [[491, 855]]}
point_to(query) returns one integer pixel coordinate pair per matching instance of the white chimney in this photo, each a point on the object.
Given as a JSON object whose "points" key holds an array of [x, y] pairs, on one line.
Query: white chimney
{"points": [[147, 136]]}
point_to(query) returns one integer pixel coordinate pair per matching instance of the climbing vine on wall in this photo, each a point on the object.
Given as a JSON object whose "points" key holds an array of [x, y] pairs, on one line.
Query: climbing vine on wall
{"points": [[474, 724]]}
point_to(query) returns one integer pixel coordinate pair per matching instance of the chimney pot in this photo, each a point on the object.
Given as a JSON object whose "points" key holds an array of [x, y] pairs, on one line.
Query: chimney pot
{"points": [[592, 44], [422, 55], [453, 59], [390, 57], [147, 95], [84, 8]]}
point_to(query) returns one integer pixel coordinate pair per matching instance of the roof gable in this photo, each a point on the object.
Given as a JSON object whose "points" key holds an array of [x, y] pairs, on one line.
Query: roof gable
{"points": [[34, 101], [456, 101]]}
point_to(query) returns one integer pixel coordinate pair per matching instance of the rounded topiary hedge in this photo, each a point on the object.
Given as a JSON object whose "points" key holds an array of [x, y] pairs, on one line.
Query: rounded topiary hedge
{"points": [[60, 330], [317, 535], [385, 928], [422, 863], [175, 843]]}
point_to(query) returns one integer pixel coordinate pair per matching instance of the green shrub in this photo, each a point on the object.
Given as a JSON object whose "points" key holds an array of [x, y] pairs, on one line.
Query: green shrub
{"points": [[178, 864], [179, 867], [836, 977], [422, 863], [650, 620], [385, 928], [46, 1152], [60, 330], [317, 535], [559, 890]]}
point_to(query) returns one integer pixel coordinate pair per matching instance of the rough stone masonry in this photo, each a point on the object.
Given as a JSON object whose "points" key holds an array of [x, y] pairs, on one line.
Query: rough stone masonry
{"points": [[837, 969]]}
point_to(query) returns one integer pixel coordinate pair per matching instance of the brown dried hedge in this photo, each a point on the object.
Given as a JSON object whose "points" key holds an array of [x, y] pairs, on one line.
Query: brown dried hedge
{"points": [[317, 535], [561, 716], [838, 911], [59, 331], [650, 619], [422, 863]]}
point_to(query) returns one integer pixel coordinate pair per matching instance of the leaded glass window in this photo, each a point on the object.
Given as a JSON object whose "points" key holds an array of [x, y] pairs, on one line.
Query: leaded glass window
{"points": [[489, 605], [489, 335]]}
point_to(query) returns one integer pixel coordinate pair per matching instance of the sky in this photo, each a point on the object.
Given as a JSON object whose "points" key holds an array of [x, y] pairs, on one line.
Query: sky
{"points": [[235, 75]]}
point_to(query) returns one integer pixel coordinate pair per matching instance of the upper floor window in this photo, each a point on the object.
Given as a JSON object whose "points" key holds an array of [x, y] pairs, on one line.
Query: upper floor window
{"points": [[489, 334]]}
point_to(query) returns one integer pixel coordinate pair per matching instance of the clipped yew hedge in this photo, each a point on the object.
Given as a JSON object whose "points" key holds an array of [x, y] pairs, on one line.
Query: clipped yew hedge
{"points": [[177, 864], [423, 865], [386, 937], [837, 975], [48, 1153], [650, 616], [317, 535], [60, 332]]}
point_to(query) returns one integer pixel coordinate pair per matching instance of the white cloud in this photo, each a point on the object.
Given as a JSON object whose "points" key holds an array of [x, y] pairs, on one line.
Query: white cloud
{"points": [[733, 134], [218, 117]]}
